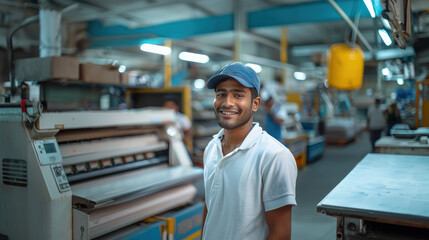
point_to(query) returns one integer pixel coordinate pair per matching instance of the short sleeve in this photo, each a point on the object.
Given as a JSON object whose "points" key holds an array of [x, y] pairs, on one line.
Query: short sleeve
{"points": [[279, 180], [183, 121], [282, 113], [186, 122]]}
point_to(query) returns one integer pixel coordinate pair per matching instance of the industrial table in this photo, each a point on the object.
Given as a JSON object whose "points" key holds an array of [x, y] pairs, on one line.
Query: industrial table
{"points": [[393, 145], [384, 197]]}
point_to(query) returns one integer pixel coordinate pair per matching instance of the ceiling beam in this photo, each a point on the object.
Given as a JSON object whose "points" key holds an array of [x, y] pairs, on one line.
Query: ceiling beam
{"points": [[132, 7], [319, 11], [208, 12], [178, 29], [90, 9], [277, 16]]}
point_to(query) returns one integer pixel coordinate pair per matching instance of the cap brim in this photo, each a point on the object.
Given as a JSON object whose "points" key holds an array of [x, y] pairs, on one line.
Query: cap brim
{"points": [[214, 81]]}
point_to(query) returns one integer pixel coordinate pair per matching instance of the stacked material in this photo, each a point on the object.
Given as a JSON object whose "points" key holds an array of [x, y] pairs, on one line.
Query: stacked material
{"points": [[342, 130]]}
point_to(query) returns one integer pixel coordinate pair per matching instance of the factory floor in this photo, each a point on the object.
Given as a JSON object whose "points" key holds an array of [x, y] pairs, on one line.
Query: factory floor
{"points": [[316, 180]]}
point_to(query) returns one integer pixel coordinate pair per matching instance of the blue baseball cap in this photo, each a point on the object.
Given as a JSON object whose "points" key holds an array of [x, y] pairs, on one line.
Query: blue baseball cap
{"points": [[245, 75]]}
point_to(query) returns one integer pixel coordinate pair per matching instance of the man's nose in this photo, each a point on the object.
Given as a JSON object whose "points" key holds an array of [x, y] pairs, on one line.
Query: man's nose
{"points": [[229, 100]]}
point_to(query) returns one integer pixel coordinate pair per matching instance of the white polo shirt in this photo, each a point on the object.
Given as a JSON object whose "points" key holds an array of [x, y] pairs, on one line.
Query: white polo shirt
{"points": [[376, 118], [258, 176]]}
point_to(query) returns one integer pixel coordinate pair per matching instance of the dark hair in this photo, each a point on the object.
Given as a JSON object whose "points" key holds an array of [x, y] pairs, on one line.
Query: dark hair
{"points": [[254, 93], [269, 99], [377, 101], [171, 97]]}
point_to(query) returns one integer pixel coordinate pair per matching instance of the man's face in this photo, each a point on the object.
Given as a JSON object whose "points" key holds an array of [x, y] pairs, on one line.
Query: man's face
{"points": [[171, 105], [233, 104]]}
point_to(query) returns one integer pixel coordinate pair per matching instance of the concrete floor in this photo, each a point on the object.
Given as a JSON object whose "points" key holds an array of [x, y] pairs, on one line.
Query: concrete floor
{"points": [[316, 181]]}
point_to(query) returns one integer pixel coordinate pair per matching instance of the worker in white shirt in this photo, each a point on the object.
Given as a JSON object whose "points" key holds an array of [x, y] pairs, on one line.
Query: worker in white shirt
{"points": [[180, 119], [375, 122], [249, 176]]}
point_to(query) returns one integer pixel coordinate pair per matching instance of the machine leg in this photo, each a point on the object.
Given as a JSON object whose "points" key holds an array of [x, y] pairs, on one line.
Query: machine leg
{"points": [[340, 229]]}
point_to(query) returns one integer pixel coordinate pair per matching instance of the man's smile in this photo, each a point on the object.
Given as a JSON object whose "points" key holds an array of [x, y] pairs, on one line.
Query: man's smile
{"points": [[229, 112]]}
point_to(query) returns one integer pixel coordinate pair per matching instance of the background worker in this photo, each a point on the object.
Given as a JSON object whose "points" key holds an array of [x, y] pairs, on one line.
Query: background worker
{"points": [[274, 118], [180, 119], [375, 122], [393, 116]]}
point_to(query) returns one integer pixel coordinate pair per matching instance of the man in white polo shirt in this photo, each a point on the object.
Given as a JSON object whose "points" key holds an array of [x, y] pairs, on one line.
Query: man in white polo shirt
{"points": [[249, 176]]}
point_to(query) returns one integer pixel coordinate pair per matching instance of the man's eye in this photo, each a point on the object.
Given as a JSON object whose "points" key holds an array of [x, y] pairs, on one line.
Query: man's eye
{"points": [[220, 95], [238, 95]]}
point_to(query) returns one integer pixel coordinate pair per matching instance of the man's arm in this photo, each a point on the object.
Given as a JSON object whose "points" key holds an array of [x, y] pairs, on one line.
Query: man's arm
{"points": [[279, 223], [204, 219]]}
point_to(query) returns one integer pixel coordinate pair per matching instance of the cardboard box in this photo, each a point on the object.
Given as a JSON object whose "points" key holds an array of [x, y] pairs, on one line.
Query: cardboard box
{"points": [[124, 78], [94, 73], [46, 68]]}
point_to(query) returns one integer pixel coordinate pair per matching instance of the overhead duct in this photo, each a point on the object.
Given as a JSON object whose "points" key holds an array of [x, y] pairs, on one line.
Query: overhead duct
{"points": [[50, 34]]}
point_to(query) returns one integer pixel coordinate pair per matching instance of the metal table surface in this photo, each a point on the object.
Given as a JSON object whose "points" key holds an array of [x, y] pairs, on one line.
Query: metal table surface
{"points": [[390, 187]]}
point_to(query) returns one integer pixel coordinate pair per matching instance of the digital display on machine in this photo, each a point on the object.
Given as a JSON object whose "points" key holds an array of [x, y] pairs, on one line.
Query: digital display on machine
{"points": [[49, 147]]}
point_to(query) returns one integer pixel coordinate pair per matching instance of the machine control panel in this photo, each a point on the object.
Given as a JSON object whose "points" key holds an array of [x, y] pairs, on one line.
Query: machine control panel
{"points": [[48, 151], [60, 177]]}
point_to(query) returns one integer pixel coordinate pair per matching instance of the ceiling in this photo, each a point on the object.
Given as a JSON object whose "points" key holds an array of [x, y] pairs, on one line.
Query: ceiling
{"points": [[115, 28]]}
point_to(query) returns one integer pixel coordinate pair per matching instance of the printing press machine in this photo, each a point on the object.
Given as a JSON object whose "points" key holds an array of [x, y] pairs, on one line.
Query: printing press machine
{"points": [[81, 175]]}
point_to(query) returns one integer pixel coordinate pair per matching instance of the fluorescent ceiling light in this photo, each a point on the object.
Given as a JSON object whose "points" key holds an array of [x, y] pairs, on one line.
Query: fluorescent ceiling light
{"points": [[386, 24], [193, 57], [385, 71], [300, 76], [122, 68], [199, 83], [385, 37], [152, 48], [400, 81], [368, 4], [256, 67]]}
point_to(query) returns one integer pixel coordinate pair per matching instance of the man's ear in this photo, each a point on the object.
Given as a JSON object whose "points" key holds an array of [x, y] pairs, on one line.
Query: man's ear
{"points": [[256, 104]]}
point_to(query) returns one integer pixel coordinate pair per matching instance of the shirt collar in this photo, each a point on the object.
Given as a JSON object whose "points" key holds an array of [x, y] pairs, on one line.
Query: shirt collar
{"points": [[251, 138]]}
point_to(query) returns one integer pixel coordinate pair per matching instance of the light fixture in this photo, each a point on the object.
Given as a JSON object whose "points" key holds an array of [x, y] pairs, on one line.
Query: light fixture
{"points": [[386, 24], [385, 71], [199, 83], [256, 67], [368, 4], [122, 68], [400, 81], [193, 57], [158, 49], [385, 37], [300, 76]]}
